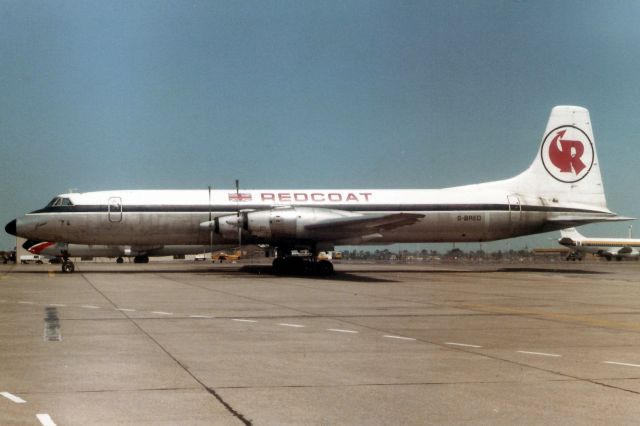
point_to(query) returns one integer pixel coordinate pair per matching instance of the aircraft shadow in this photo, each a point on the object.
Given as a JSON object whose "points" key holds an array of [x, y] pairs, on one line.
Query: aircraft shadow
{"points": [[338, 276]]}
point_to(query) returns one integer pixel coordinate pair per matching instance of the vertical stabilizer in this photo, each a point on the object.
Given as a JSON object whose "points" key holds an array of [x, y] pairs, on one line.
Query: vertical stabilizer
{"points": [[566, 168], [571, 233]]}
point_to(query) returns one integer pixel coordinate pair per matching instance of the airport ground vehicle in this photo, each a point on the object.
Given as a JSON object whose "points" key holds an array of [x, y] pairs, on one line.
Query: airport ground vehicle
{"points": [[8, 256], [32, 258], [225, 257]]}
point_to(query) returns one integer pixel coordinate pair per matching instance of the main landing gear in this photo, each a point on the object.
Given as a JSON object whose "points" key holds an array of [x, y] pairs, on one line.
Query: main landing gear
{"points": [[286, 264], [294, 265]]}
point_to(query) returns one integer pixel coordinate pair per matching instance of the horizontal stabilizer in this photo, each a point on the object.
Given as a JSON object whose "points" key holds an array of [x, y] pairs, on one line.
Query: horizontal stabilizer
{"points": [[577, 220]]}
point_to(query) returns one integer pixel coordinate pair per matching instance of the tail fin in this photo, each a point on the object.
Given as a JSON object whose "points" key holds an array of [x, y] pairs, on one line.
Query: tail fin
{"points": [[571, 233], [566, 169]]}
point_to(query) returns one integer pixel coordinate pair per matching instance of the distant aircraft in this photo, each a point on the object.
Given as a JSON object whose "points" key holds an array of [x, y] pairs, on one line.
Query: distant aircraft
{"points": [[609, 248], [562, 188], [139, 254]]}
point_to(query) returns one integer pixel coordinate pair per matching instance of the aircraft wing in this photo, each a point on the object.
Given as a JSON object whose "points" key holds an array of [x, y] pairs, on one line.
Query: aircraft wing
{"points": [[378, 221]]}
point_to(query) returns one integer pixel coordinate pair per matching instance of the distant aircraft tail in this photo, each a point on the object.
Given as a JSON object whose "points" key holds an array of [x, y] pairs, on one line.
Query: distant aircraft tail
{"points": [[571, 233]]}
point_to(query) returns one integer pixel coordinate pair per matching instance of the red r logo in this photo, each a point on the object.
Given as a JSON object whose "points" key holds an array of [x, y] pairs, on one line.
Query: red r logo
{"points": [[565, 154]]}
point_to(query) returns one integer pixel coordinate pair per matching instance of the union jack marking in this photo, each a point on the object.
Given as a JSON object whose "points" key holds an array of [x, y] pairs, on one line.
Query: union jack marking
{"points": [[239, 197]]}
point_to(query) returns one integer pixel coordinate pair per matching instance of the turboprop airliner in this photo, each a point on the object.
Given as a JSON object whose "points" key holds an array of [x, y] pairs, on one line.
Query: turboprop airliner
{"points": [[561, 188], [609, 248]]}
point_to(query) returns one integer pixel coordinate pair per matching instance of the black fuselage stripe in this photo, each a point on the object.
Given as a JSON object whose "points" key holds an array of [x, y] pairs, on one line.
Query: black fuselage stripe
{"points": [[155, 208]]}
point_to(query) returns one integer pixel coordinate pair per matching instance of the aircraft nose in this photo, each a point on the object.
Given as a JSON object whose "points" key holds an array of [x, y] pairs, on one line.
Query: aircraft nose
{"points": [[11, 227]]}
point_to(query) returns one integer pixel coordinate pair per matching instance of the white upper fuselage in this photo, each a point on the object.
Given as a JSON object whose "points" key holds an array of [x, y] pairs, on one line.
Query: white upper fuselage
{"points": [[145, 217]]}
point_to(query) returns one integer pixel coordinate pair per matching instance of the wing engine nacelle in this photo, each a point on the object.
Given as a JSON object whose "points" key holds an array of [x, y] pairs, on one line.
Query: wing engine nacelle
{"points": [[275, 224]]}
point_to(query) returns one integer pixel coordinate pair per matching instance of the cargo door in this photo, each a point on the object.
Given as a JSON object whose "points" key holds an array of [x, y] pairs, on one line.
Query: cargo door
{"points": [[515, 212]]}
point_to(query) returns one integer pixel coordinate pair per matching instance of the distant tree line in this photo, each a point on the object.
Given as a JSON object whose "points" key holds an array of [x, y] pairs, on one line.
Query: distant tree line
{"points": [[425, 255]]}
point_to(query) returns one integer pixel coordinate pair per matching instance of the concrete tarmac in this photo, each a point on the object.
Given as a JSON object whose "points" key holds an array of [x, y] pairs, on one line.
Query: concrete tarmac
{"points": [[190, 344]]}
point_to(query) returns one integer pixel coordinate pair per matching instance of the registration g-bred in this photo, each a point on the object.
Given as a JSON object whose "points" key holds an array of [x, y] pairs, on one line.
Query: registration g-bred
{"points": [[562, 188]]}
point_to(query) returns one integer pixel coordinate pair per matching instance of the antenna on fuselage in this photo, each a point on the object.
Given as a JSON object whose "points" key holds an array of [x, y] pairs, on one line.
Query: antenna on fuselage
{"points": [[210, 223], [240, 225]]}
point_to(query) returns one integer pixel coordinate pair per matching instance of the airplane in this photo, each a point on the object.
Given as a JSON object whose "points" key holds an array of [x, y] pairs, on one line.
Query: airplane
{"points": [[561, 188], [139, 254], [609, 248]]}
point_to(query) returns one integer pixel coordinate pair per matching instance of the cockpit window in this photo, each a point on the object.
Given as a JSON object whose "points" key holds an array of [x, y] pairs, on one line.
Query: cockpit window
{"points": [[59, 202]]}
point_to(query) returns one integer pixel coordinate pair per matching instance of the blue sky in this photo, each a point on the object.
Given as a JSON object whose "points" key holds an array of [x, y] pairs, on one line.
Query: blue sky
{"points": [[293, 94]]}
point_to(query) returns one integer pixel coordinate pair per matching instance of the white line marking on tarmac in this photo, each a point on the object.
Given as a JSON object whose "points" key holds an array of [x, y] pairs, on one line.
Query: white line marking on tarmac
{"points": [[45, 420], [12, 397], [339, 330], [284, 324], [243, 320], [22, 302], [161, 313], [57, 304], [200, 316], [125, 310], [465, 345], [398, 337], [538, 353], [622, 363], [90, 307]]}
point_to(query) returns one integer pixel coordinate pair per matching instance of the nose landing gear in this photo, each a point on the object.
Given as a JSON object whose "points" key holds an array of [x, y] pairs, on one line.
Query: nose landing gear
{"points": [[68, 266]]}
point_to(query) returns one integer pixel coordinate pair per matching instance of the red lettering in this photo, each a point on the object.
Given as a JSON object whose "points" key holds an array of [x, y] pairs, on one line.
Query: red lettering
{"points": [[266, 196], [352, 197], [316, 196], [301, 196], [284, 196], [334, 196], [365, 195]]}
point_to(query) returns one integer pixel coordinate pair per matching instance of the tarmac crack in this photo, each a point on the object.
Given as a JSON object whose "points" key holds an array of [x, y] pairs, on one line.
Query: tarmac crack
{"points": [[227, 406]]}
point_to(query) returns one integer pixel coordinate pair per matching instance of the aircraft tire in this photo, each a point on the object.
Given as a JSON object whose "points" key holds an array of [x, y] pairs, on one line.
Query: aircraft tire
{"points": [[278, 266], [68, 267], [119, 260], [325, 268]]}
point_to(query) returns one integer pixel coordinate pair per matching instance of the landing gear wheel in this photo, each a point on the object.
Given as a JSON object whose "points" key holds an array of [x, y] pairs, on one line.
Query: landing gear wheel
{"points": [[68, 267], [278, 266], [119, 260], [325, 268]]}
